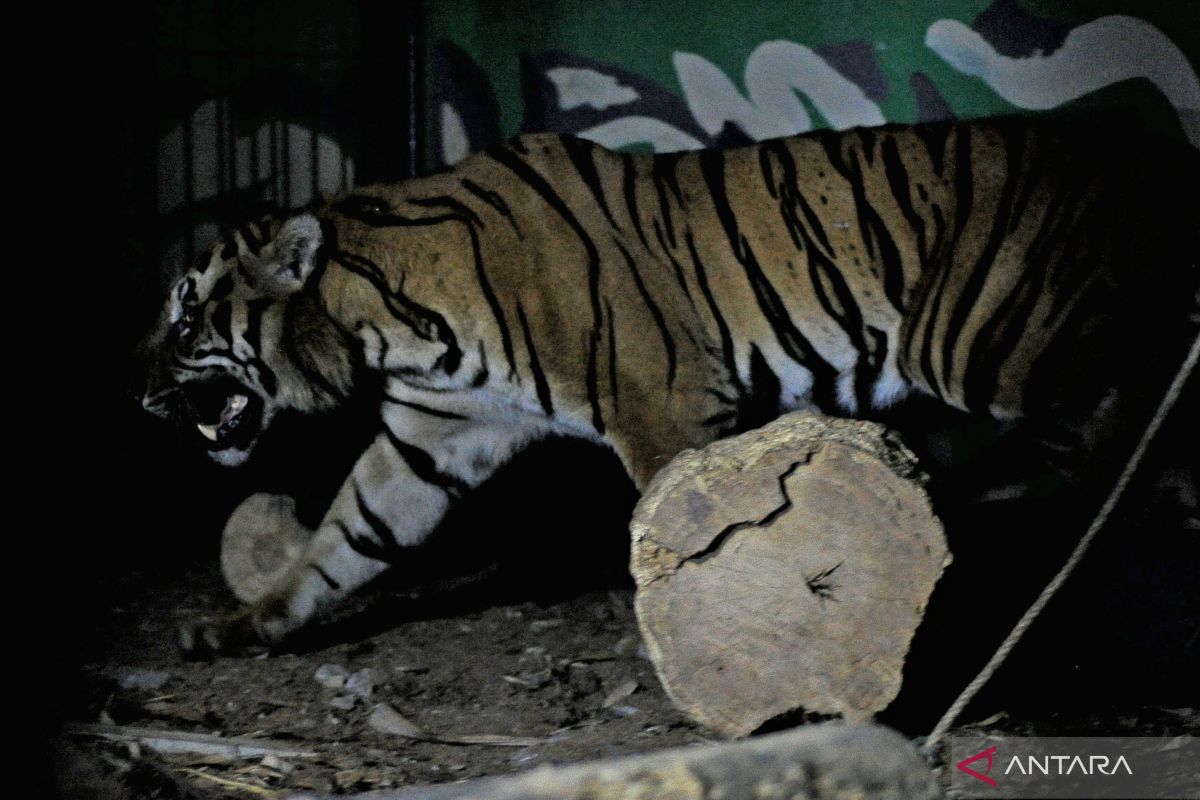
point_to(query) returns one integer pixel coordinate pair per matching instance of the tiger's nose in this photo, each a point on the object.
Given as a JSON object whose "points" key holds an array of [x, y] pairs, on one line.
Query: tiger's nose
{"points": [[145, 383]]}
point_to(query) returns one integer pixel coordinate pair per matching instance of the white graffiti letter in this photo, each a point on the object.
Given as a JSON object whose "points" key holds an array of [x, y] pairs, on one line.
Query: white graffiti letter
{"points": [[775, 72], [1096, 54]]}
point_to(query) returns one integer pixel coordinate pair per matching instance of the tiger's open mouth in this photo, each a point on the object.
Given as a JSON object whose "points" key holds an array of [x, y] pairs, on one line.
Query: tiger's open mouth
{"points": [[226, 413]]}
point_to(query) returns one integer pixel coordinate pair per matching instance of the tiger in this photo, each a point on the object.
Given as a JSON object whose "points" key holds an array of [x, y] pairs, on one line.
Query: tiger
{"points": [[652, 303]]}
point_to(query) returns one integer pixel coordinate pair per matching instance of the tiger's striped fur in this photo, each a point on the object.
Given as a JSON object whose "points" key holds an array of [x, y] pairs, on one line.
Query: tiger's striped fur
{"points": [[655, 303]]}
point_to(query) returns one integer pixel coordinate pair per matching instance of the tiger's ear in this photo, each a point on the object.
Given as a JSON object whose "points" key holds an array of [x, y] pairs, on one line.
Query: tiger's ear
{"points": [[293, 257]]}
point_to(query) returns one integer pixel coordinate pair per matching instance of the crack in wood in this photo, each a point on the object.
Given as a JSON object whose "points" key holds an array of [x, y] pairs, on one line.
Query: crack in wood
{"points": [[718, 541]]}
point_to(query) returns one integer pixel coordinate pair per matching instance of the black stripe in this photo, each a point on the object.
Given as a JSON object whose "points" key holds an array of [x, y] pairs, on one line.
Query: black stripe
{"points": [[187, 291], [254, 316], [719, 417], [580, 153], [898, 181], [963, 184], [934, 136], [939, 234], [593, 379], [761, 404], [330, 582], [1044, 382], [997, 339], [1036, 165], [535, 366], [655, 312], [424, 467], [675, 265], [263, 226], [790, 197], [384, 347], [425, 322], [846, 313], [376, 551], [867, 368], [721, 397], [423, 409], [629, 189], [793, 342], [221, 288], [383, 531], [494, 200], [814, 221], [452, 204], [222, 322], [266, 376], [481, 377], [612, 360], [968, 299], [539, 184], [663, 174], [205, 261], [964, 180], [379, 219], [867, 137], [821, 267], [849, 318], [727, 350], [764, 165], [246, 276], [1079, 205], [990, 348], [873, 230], [250, 237]]}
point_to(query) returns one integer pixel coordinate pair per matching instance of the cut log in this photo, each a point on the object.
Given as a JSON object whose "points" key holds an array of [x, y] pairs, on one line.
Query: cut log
{"points": [[820, 762], [785, 571]]}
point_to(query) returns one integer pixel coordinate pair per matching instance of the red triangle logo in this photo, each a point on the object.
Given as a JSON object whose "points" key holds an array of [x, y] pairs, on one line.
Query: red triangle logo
{"points": [[983, 776]]}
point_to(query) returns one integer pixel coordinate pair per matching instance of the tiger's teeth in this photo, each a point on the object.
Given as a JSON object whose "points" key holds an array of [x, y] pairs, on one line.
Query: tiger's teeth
{"points": [[209, 431]]}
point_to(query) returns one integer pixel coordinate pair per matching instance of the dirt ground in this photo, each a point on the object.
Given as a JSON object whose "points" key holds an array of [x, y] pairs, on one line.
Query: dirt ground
{"points": [[540, 642], [571, 676]]}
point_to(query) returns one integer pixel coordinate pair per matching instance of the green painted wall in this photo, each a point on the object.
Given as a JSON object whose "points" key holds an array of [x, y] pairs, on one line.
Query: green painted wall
{"points": [[887, 40]]}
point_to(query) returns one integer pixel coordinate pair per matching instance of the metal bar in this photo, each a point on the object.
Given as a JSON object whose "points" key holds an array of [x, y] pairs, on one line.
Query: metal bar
{"points": [[414, 16]]}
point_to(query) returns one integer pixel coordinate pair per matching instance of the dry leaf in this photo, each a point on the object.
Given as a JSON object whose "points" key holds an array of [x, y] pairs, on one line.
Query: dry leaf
{"points": [[386, 719], [620, 693]]}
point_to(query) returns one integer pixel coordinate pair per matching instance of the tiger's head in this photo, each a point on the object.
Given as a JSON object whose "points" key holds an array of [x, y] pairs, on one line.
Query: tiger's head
{"points": [[243, 336]]}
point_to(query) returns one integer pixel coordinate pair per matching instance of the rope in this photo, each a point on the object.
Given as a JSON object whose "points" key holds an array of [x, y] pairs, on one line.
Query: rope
{"points": [[1014, 636]]}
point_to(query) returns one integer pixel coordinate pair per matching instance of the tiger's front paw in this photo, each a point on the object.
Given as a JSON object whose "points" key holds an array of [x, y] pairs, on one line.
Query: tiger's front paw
{"points": [[235, 634], [250, 631]]}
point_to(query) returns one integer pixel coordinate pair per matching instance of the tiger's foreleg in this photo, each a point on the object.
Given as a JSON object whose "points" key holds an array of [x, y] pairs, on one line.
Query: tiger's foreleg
{"points": [[397, 493]]}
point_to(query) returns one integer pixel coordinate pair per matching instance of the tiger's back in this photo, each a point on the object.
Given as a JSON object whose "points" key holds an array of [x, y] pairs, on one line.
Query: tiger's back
{"points": [[685, 296]]}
